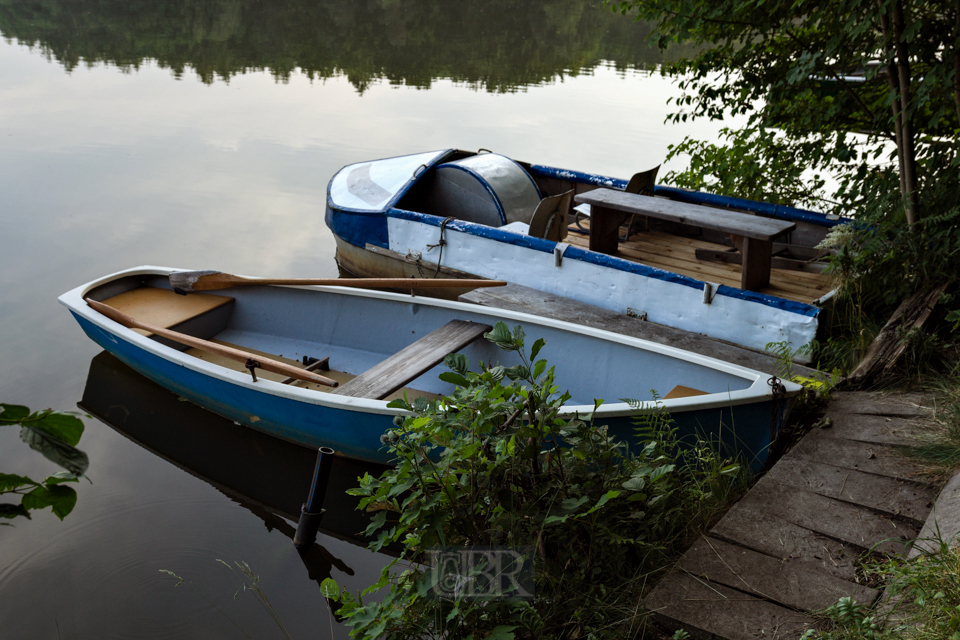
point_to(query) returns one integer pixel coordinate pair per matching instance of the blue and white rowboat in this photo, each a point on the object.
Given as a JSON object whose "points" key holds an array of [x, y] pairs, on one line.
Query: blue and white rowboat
{"points": [[359, 330], [451, 212]]}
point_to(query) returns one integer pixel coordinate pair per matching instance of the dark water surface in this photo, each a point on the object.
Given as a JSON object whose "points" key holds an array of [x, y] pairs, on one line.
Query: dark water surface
{"points": [[201, 134]]}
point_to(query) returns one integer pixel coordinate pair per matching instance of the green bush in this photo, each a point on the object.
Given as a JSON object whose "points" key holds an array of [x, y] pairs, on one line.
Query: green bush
{"points": [[495, 464]]}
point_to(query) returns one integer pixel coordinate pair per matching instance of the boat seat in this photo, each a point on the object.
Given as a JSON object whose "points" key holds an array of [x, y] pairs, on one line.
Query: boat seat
{"points": [[681, 391], [643, 182], [412, 361], [166, 309], [549, 220]]}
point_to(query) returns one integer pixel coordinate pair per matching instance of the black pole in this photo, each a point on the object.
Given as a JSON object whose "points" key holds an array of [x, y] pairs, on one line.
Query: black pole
{"points": [[312, 511]]}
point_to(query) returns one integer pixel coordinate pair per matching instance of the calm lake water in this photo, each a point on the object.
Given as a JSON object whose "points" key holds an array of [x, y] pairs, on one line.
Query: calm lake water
{"points": [[201, 134]]}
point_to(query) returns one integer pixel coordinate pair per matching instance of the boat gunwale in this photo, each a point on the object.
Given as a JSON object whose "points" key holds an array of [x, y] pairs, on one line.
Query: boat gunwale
{"points": [[758, 391]]}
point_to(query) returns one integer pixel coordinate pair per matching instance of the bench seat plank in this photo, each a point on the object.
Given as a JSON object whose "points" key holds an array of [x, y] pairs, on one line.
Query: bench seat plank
{"points": [[413, 361], [735, 222], [752, 235], [164, 308]]}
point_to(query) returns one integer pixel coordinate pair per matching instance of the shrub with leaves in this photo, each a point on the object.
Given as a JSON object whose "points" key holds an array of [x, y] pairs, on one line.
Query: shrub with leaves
{"points": [[54, 434], [494, 464]]}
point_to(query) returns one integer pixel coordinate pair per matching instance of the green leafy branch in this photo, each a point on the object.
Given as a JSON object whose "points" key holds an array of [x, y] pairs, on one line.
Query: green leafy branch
{"points": [[55, 435]]}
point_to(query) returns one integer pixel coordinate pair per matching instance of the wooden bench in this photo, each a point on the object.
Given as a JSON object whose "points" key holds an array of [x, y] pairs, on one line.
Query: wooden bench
{"points": [[164, 308], [752, 235], [412, 361]]}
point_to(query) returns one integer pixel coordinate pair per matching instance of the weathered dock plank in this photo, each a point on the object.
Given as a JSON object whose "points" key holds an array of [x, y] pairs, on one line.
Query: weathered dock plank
{"points": [[879, 459], [839, 520], [878, 429], [943, 524], [779, 580], [892, 496], [771, 535], [795, 538], [519, 298], [903, 405], [707, 610]]}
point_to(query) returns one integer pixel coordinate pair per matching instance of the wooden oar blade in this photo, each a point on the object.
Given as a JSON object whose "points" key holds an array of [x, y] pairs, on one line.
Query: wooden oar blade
{"points": [[184, 282]]}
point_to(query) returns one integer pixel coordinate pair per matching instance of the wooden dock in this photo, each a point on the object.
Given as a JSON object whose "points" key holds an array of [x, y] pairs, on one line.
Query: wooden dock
{"points": [[791, 545]]}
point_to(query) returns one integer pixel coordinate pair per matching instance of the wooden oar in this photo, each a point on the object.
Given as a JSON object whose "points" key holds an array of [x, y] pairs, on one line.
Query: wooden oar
{"points": [[249, 360], [184, 282]]}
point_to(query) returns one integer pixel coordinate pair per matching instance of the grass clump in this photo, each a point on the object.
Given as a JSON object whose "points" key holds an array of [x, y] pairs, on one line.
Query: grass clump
{"points": [[494, 464], [922, 601]]}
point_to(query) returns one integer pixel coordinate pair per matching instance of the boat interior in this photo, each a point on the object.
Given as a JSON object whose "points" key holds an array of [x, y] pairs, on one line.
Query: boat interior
{"points": [[796, 269], [378, 362], [207, 317]]}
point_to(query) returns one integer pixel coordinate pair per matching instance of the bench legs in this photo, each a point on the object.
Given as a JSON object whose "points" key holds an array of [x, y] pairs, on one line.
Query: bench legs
{"points": [[755, 269], [605, 229]]}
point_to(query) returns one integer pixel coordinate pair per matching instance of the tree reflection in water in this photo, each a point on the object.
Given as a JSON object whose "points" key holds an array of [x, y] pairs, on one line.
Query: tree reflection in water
{"points": [[495, 45]]}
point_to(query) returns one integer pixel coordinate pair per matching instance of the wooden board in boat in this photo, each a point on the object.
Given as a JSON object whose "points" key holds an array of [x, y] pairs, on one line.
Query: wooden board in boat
{"points": [[163, 307], [678, 254], [414, 360], [340, 376]]}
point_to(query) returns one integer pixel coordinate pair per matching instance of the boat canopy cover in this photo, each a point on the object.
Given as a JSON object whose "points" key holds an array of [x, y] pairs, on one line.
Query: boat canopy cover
{"points": [[486, 188], [371, 186]]}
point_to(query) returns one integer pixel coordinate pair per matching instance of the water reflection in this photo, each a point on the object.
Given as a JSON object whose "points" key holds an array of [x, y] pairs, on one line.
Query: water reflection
{"points": [[268, 477], [497, 45]]}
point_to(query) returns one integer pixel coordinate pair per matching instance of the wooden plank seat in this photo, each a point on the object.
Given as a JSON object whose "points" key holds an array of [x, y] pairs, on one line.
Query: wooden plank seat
{"points": [[412, 361], [340, 376], [751, 234], [164, 308]]}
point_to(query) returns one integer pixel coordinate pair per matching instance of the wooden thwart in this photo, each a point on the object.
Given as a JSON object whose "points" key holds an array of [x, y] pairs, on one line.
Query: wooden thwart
{"points": [[413, 361]]}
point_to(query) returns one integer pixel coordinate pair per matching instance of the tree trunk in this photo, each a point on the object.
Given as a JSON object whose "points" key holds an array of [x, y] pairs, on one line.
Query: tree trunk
{"points": [[894, 84], [903, 76], [956, 63]]}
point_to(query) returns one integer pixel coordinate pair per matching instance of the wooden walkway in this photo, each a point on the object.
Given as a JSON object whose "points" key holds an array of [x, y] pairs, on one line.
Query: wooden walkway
{"points": [[791, 546]]}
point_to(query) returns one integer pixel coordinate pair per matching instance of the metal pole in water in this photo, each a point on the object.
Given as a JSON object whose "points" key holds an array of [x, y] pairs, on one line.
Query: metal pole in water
{"points": [[312, 511]]}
